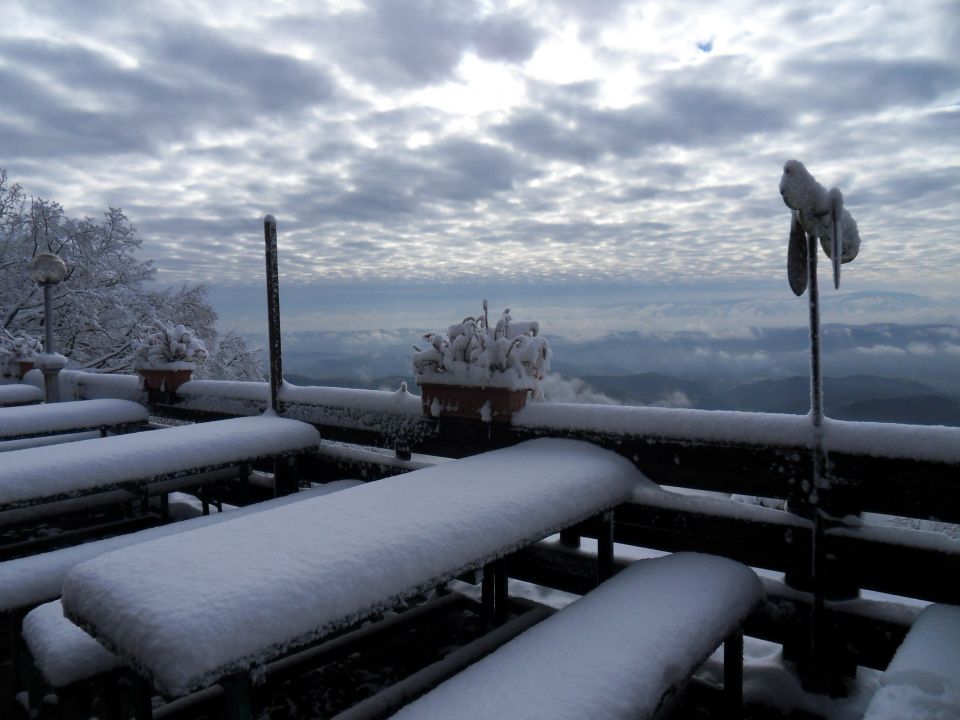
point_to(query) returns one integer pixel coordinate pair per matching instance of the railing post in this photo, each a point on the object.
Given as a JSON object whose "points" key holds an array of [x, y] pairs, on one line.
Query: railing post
{"points": [[273, 310]]}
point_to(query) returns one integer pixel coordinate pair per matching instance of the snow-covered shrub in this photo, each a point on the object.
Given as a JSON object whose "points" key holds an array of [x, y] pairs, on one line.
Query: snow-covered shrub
{"points": [[15, 350], [21, 348], [168, 345], [510, 354]]}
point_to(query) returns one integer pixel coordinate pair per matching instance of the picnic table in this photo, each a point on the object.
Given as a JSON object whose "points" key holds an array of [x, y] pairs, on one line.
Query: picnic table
{"points": [[288, 577]]}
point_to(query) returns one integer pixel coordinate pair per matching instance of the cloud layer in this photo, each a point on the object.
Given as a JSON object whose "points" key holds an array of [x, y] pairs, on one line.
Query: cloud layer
{"points": [[548, 139]]}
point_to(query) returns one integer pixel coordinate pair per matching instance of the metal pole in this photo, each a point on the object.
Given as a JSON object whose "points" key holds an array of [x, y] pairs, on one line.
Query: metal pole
{"points": [[51, 380], [817, 671], [273, 310]]}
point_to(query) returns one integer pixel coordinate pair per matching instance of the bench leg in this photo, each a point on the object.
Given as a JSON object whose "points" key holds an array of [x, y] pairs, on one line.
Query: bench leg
{"points": [[236, 695], [733, 674], [142, 699], [487, 592], [570, 538], [604, 546], [245, 484], [501, 592]]}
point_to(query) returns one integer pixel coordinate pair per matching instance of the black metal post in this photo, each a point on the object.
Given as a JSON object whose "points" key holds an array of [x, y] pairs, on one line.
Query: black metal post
{"points": [[51, 379], [273, 310]]}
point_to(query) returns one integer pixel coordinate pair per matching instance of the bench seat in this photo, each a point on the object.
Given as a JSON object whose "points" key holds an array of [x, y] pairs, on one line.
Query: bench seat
{"points": [[30, 421], [922, 681], [268, 583], [621, 651], [15, 394], [35, 476], [62, 652]]}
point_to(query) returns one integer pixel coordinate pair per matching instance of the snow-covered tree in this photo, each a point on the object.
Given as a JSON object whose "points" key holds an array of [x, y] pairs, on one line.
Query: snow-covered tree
{"points": [[103, 304]]}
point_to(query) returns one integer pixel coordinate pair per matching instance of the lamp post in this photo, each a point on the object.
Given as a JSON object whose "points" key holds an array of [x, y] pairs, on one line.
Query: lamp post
{"points": [[48, 270]]}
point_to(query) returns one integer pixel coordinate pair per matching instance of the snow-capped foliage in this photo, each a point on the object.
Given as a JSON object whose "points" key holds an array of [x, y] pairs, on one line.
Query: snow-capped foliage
{"points": [[167, 344], [508, 354], [17, 349], [815, 208], [102, 303]]}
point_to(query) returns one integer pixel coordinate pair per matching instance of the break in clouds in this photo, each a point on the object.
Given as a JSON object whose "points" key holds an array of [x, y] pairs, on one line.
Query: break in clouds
{"points": [[542, 140]]}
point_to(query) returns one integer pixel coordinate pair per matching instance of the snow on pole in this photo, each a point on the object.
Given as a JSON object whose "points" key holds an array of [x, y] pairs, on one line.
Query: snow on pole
{"points": [[273, 310]]}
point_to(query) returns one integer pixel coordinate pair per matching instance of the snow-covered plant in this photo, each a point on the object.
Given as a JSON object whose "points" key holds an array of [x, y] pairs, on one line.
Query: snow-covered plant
{"points": [[164, 345], [509, 354], [20, 348]]}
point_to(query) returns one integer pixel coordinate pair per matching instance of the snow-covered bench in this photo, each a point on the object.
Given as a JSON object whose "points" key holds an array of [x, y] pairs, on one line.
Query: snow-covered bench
{"points": [[138, 461], [288, 577], [621, 651], [65, 656], [16, 394], [923, 679], [31, 421]]}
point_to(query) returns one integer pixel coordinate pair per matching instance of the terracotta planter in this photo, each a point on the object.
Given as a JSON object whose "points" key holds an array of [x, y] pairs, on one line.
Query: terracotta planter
{"points": [[476, 403], [26, 366], [164, 380]]}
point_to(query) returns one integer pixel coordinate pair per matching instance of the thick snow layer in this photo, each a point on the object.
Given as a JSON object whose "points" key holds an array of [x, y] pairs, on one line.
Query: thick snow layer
{"points": [[15, 393], [39, 475], [918, 442], [51, 419], [6, 445], [83, 385], [673, 423], [31, 580], [653, 495], [612, 654], [63, 652], [923, 679], [188, 609]]}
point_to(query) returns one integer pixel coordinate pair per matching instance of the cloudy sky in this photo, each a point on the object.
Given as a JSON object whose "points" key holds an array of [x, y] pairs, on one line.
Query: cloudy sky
{"points": [[552, 151]]}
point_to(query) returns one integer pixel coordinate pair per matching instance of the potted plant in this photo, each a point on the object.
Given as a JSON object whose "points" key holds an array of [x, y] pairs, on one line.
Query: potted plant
{"points": [[18, 354], [166, 356], [478, 370]]}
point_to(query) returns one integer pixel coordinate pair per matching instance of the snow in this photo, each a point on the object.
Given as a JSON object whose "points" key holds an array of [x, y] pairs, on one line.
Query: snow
{"points": [[14, 394], [51, 419], [295, 574], [37, 578], [687, 425], [83, 385], [38, 475], [815, 207], [612, 654], [923, 679], [61, 651], [890, 440]]}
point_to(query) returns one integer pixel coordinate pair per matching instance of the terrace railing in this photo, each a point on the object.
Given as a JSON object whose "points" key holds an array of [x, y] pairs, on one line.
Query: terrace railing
{"points": [[816, 581]]}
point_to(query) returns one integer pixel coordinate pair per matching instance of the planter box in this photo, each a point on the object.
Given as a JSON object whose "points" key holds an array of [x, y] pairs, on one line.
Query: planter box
{"points": [[164, 380], [476, 403]]}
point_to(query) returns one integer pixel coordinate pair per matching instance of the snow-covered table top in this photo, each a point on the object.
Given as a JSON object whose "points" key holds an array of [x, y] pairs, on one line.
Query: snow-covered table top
{"points": [[76, 416], [38, 475], [189, 609], [614, 653], [17, 394]]}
